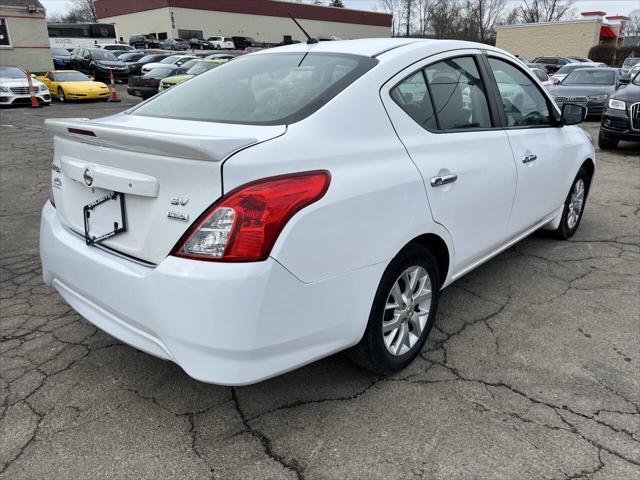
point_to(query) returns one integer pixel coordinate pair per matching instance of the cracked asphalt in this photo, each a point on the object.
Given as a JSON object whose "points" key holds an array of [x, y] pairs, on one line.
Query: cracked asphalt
{"points": [[531, 372]]}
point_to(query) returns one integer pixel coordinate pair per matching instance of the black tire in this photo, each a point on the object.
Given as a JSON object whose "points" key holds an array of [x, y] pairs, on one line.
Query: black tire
{"points": [[372, 353], [607, 143], [566, 229], [61, 96], [218, 47]]}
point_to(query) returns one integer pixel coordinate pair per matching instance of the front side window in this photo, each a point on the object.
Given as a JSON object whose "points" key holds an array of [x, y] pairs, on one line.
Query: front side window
{"points": [[524, 105], [264, 89]]}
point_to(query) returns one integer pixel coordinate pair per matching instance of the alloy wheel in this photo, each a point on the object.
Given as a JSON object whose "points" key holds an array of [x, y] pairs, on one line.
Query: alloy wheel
{"points": [[575, 204], [406, 310]]}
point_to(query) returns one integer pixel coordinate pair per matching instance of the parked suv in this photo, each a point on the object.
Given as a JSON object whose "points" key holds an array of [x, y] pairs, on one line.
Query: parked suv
{"points": [[220, 43], [621, 119], [143, 41], [241, 43], [553, 64]]}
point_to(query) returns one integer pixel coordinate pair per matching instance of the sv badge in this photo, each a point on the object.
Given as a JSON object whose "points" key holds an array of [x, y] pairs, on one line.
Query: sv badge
{"points": [[182, 201]]}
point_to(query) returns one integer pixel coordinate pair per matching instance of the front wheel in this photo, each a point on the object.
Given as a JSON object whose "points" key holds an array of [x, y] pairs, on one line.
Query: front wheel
{"points": [[573, 206], [61, 96], [402, 314]]}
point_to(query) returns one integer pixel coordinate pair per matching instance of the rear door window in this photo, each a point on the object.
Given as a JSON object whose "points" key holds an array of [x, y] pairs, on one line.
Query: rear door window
{"points": [[263, 89], [448, 95]]}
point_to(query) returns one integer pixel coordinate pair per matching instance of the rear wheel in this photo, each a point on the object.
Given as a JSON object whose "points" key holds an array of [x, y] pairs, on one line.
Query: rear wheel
{"points": [[218, 47], [607, 143], [573, 206], [61, 96], [402, 314]]}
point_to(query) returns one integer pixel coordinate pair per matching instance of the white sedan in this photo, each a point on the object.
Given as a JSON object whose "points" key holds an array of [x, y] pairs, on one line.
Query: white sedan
{"points": [[305, 200], [14, 87]]}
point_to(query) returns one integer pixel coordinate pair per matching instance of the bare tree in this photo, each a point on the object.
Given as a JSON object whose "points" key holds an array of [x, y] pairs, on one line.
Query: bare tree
{"points": [[423, 16], [408, 8], [394, 7], [481, 18], [446, 17], [81, 11], [633, 24], [534, 11]]}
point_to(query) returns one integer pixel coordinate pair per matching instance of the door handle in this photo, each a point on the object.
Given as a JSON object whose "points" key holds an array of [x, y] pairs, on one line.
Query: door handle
{"points": [[443, 180], [529, 158]]}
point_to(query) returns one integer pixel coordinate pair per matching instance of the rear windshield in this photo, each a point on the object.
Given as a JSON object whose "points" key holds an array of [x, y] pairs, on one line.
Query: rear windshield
{"points": [[590, 77], [264, 89]]}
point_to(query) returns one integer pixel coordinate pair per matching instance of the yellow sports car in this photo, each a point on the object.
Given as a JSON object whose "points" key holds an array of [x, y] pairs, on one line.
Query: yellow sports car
{"points": [[72, 85]]}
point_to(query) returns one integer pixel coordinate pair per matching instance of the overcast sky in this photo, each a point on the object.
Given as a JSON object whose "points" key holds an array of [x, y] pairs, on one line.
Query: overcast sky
{"points": [[612, 7]]}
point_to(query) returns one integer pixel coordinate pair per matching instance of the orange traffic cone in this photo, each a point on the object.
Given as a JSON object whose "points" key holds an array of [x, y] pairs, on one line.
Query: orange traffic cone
{"points": [[34, 100], [113, 97]]}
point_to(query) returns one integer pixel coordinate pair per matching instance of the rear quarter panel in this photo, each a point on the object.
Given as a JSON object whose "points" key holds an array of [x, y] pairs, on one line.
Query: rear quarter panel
{"points": [[376, 202]]}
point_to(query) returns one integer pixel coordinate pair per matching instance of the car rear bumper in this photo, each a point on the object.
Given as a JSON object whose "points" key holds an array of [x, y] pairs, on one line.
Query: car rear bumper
{"points": [[223, 323], [143, 92]]}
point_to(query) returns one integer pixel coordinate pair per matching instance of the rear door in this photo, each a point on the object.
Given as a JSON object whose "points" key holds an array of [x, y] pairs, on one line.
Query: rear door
{"points": [[444, 117], [542, 150]]}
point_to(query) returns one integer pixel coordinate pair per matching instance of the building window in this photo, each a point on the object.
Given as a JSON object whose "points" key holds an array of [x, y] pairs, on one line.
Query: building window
{"points": [[5, 41], [162, 36], [187, 34]]}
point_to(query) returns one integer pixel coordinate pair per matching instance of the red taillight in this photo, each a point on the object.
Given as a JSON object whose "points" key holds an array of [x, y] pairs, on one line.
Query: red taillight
{"points": [[244, 225]]}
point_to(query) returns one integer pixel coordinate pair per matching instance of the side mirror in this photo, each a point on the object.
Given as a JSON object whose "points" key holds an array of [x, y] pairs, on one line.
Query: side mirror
{"points": [[573, 114]]}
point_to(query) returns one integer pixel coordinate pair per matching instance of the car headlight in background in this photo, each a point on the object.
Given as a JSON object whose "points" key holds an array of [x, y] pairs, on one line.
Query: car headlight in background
{"points": [[617, 104], [4, 89], [44, 88], [598, 98]]}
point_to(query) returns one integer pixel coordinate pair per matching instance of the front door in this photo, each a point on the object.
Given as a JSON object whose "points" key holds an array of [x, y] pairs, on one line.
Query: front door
{"points": [[541, 148], [441, 113]]}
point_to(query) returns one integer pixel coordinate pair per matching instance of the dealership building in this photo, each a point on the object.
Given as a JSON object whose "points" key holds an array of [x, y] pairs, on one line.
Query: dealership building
{"points": [[23, 35], [262, 20], [564, 39]]}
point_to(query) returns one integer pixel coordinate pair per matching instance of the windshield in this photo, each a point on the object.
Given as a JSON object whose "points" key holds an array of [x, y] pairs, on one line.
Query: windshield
{"points": [[12, 72], [160, 72], [131, 57], [103, 55], [60, 51], [636, 79], [590, 77], [201, 67], [631, 61], [70, 77], [266, 89], [570, 68], [171, 59]]}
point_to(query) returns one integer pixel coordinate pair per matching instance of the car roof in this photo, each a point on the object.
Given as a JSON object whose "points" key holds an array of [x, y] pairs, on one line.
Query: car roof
{"points": [[373, 47]]}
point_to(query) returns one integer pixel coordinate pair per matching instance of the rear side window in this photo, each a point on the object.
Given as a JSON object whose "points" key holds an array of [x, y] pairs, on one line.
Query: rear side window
{"points": [[264, 89], [413, 97]]}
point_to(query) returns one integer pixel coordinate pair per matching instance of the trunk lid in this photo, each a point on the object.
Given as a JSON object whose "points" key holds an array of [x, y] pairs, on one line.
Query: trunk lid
{"points": [[168, 170]]}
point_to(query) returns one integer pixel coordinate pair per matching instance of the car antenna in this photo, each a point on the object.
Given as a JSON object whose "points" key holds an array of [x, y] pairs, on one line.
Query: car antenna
{"points": [[310, 40]]}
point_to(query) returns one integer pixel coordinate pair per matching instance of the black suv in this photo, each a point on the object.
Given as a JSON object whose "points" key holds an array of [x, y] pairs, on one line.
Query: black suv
{"points": [[553, 64], [143, 41], [621, 118], [240, 43]]}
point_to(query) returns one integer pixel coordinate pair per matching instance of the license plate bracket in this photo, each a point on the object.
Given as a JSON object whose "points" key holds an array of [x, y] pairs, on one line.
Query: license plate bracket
{"points": [[119, 224]]}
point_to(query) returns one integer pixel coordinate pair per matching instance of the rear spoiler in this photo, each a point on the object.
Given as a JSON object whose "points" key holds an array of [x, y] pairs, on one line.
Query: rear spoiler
{"points": [[190, 146]]}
